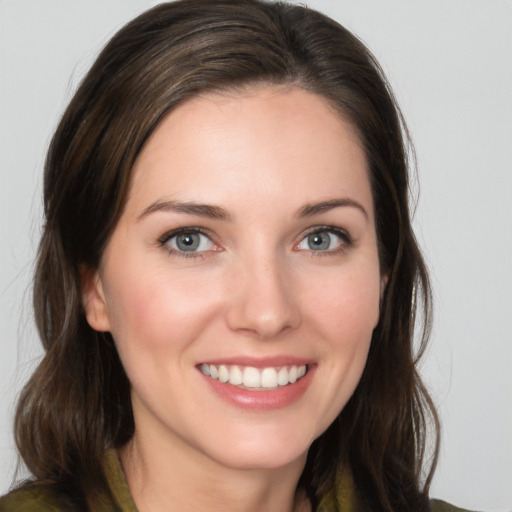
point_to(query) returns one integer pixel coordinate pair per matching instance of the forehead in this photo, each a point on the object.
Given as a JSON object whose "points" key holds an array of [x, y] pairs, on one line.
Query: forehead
{"points": [[272, 141]]}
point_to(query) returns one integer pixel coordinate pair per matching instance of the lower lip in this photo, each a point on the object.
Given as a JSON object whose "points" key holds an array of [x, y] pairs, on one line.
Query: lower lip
{"points": [[262, 400]]}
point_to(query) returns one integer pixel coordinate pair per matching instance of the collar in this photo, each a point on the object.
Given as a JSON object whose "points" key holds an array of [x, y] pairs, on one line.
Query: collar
{"points": [[341, 499]]}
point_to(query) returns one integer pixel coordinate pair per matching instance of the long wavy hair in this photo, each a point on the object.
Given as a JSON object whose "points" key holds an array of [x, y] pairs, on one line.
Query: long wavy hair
{"points": [[77, 403]]}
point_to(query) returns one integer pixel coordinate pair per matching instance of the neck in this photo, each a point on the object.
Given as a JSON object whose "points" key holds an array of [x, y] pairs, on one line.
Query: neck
{"points": [[163, 478]]}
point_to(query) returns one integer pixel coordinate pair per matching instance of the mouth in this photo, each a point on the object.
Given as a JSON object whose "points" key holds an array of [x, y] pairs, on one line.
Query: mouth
{"points": [[255, 379]]}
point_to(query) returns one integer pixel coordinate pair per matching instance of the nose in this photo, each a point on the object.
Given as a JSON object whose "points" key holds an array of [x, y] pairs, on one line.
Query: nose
{"points": [[263, 302]]}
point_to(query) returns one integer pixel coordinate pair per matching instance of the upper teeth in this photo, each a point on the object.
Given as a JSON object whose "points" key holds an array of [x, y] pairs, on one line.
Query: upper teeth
{"points": [[251, 377]]}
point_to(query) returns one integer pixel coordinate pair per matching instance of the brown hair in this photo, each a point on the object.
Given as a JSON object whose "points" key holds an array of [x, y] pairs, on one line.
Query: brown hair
{"points": [[77, 403]]}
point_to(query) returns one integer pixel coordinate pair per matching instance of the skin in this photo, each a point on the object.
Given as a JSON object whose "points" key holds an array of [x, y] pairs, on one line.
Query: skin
{"points": [[255, 289]]}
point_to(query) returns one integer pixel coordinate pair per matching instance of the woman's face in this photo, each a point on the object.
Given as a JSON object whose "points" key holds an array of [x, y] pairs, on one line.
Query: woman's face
{"points": [[242, 284]]}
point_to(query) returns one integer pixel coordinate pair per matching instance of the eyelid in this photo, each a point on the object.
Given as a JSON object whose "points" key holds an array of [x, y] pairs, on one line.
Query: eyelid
{"points": [[180, 231], [168, 235], [341, 233]]}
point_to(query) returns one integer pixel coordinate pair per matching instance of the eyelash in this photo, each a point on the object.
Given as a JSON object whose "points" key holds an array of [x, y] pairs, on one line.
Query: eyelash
{"points": [[346, 240], [344, 236], [163, 241]]}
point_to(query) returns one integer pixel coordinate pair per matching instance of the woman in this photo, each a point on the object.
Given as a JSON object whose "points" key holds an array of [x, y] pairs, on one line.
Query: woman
{"points": [[227, 279]]}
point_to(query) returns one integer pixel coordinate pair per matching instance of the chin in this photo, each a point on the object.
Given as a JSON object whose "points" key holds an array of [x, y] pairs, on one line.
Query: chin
{"points": [[258, 450]]}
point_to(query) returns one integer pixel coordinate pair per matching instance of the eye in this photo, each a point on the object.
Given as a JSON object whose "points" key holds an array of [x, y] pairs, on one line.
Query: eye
{"points": [[187, 241], [330, 240]]}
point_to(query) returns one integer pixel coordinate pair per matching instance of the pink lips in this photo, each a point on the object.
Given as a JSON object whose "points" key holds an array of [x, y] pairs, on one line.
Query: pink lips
{"points": [[261, 399], [261, 363]]}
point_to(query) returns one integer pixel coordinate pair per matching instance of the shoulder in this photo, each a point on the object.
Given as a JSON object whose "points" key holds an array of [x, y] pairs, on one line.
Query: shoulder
{"points": [[44, 497], [38, 498], [442, 506]]}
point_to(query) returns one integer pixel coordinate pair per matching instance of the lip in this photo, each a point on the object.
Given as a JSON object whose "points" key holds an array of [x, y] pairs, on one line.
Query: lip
{"points": [[261, 400], [256, 362]]}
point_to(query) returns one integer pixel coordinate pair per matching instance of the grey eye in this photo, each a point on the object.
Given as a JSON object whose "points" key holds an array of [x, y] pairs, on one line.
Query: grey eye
{"points": [[326, 240], [319, 241], [190, 242]]}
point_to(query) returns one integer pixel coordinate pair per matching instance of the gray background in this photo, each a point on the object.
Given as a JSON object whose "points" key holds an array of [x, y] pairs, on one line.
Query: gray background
{"points": [[450, 63]]}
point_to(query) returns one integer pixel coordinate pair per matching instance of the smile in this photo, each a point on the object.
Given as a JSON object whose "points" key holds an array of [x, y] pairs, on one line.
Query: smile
{"points": [[248, 377]]}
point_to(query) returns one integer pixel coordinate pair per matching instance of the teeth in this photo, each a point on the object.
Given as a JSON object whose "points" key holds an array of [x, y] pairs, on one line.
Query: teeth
{"points": [[251, 377], [269, 378], [223, 373], [255, 378], [282, 377], [235, 376]]}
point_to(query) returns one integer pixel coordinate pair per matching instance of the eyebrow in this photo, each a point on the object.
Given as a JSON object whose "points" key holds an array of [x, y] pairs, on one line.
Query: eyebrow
{"points": [[191, 208], [219, 213], [309, 210]]}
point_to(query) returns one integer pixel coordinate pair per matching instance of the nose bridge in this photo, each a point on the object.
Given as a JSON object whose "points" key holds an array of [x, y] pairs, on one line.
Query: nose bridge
{"points": [[263, 300]]}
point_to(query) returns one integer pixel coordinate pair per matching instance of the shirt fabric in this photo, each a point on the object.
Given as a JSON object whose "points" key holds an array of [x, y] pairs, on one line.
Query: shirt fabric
{"points": [[40, 498]]}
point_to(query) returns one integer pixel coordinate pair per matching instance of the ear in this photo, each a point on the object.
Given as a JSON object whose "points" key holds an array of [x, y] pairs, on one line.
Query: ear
{"points": [[383, 283], [93, 299]]}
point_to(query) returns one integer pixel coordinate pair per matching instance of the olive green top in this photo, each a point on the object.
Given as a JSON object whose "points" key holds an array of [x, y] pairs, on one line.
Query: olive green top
{"points": [[40, 498]]}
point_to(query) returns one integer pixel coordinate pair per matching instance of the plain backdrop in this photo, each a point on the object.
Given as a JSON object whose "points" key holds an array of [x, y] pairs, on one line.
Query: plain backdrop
{"points": [[450, 63]]}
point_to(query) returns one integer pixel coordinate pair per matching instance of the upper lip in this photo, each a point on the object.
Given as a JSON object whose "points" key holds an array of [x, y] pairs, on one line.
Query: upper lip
{"points": [[259, 362]]}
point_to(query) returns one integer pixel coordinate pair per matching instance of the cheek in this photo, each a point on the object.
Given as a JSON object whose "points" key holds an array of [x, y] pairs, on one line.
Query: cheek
{"points": [[343, 319], [156, 311], [131, 309], [347, 304], [146, 327]]}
